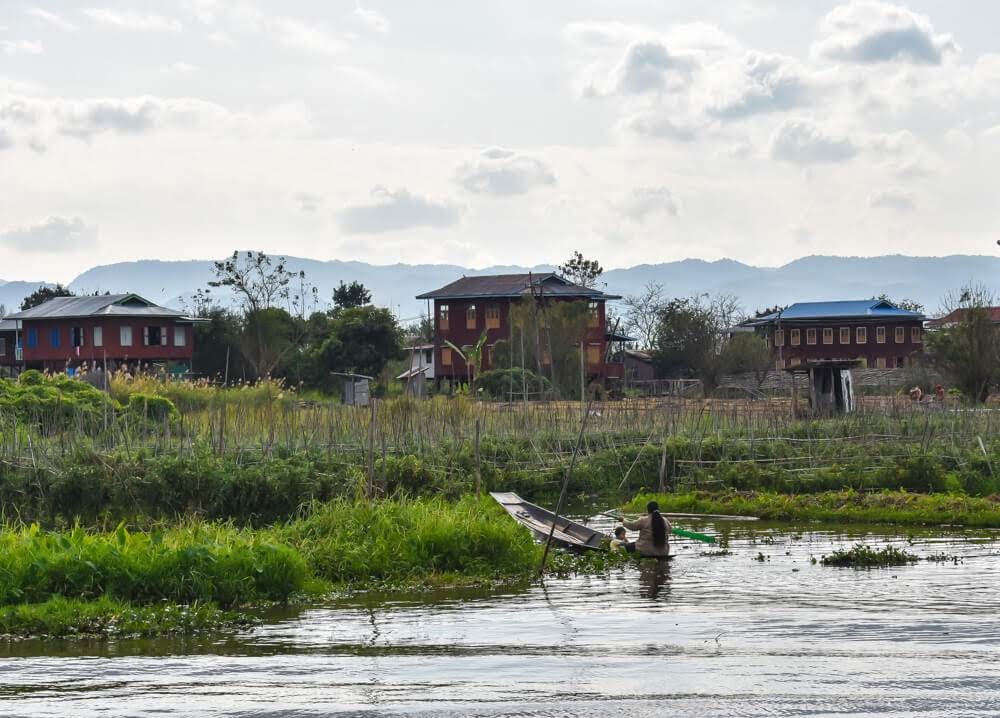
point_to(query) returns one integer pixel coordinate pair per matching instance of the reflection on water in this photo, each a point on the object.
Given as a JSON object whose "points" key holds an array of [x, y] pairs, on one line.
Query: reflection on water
{"points": [[701, 635]]}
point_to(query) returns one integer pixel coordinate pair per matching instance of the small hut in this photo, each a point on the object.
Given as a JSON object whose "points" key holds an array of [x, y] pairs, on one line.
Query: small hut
{"points": [[355, 389], [831, 385]]}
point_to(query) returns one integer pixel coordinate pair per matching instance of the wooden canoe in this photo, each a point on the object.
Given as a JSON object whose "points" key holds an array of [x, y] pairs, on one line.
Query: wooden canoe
{"points": [[568, 534]]}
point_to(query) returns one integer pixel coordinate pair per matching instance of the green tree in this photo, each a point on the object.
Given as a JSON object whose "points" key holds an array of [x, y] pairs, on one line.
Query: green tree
{"points": [[691, 338], [969, 350], [215, 340], [44, 294], [361, 340], [747, 352], [349, 296], [581, 271], [473, 358]]}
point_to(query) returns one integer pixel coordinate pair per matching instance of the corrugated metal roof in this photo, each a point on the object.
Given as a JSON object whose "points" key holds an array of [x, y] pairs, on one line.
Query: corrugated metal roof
{"points": [[7, 325], [109, 305], [512, 286], [851, 309]]}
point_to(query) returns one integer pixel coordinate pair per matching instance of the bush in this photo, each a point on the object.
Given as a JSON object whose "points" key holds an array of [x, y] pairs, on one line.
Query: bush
{"points": [[502, 383], [152, 407]]}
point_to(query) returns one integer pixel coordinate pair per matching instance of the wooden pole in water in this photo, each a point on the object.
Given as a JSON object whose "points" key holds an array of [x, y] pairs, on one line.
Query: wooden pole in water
{"points": [[565, 486]]}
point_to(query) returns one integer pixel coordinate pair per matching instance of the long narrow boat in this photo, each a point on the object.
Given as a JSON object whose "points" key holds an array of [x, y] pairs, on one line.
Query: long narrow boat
{"points": [[568, 534]]}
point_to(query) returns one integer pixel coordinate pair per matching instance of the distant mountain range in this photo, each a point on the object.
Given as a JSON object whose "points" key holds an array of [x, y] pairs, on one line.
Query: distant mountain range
{"points": [[922, 279]]}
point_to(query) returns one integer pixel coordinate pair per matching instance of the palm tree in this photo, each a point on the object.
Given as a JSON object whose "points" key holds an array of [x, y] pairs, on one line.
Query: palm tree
{"points": [[473, 358]]}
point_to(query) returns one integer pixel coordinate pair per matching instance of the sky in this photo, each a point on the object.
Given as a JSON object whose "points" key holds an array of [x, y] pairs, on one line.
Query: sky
{"points": [[481, 133]]}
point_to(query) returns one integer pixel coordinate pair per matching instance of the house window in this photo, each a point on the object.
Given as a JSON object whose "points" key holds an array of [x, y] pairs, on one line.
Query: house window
{"points": [[864, 362], [428, 356], [154, 336], [180, 336], [125, 336], [845, 335], [880, 335], [810, 336], [900, 335], [861, 335], [900, 362], [77, 336], [54, 337], [779, 337], [443, 317], [493, 317], [32, 338], [593, 353], [594, 319], [796, 339], [3, 346], [98, 336], [915, 335], [546, 357], [445, 356], [779, 364], [828, 335], [470, 317], [794, 361], [880, 362]]}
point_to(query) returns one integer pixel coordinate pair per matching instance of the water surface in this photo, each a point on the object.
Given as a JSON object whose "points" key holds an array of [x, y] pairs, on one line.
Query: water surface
{"points": [[710, 635]]}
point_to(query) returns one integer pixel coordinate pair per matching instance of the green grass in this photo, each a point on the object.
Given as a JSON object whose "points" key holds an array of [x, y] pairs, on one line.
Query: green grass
{"points": [[889, 507], [192, 563], [404, 539], [111, 618]]}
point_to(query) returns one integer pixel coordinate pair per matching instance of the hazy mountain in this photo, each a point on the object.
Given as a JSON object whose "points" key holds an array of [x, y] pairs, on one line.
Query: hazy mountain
{"points": [[924, 279]]}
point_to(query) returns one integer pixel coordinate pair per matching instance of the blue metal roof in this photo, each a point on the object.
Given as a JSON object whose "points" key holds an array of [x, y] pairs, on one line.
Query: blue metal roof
{"points": [[860, 309]]}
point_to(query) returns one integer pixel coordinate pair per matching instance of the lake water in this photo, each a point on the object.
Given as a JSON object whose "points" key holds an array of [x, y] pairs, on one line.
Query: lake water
{"points": [[708, 636]]}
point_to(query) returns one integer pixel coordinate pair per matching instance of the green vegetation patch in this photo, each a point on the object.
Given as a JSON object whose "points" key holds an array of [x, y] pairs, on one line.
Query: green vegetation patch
{"points": [[110, 618], [891, 507], [863, 556]]}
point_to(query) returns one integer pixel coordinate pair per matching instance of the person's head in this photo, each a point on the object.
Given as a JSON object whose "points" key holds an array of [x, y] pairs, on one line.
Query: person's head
{"points": [[620, 533], [658, 525]]}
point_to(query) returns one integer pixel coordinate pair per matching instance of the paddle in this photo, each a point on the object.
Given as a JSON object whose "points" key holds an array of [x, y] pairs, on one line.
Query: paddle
{"points": [[675, 531]]}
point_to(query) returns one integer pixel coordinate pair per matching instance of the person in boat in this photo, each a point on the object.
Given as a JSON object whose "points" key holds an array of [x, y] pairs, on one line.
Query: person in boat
{"points": [[653, 530], [620, 542]]}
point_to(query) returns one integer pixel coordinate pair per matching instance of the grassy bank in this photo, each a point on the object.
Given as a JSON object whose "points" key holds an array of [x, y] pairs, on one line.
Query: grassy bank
{"points": [[889, 507], [182, 579]]}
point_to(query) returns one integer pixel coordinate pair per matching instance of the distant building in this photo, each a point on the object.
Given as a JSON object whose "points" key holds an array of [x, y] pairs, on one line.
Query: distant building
{"points": [[468, 306], [956, 316], [421, 370], [115, 330], [874, 331], [639, 366], [10, 354]]}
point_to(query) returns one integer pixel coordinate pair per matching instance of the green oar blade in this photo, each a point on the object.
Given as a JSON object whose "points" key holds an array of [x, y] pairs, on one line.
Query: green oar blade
{"points": [[693, 535]]}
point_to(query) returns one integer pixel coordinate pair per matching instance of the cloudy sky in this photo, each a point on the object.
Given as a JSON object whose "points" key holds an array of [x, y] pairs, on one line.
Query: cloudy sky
{"points": [[495, 132]]}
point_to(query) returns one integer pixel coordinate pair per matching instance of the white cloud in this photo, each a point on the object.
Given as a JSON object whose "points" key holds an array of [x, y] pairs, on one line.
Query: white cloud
{"points": [[761, 83], [86, 119], [308, 202], [802, 141], [648, 66], [55, 234], [896, 198], [6, 140], [374, 20], [21, 47], [132, 20], [503, 172], [178, 68], [657, 124], [645, 202], [399, 209], [302, 36], [869, 32], [51, 18]]}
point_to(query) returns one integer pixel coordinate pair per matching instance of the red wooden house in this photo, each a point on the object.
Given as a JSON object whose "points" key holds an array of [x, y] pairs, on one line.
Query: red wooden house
{"points": [[115, 330], [465, 308], [874, 331]]}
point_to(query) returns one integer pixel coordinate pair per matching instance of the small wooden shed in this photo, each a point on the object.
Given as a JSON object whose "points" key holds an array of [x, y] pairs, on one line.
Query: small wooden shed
{"points": [[355, 389], [831, 385]]}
